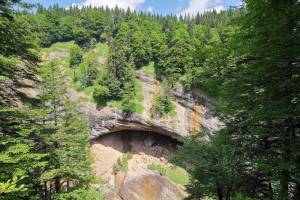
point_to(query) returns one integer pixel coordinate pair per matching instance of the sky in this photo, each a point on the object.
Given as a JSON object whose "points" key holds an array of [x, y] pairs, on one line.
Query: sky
{"points": [[177, 7]]}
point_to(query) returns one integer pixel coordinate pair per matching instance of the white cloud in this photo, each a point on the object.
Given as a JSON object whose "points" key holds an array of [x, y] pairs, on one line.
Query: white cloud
{"points": [[132, 4], [200, 6], [218, 8], [149, 9]]}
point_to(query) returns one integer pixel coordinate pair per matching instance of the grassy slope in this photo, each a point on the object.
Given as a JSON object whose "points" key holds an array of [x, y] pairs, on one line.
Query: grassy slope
{"points": [[100, 50], [138, 98], [149, 69], [176, 174]]}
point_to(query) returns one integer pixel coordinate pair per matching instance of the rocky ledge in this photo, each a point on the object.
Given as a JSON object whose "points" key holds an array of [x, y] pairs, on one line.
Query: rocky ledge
{"points": [[192, 113]]}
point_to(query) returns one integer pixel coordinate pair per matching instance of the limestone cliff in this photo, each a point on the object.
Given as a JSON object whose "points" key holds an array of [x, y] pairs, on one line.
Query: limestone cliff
{"points": [[192, 113]]}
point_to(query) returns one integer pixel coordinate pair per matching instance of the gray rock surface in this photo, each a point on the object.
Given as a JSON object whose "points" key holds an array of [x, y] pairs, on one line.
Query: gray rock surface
{"points": [[192, 113], [145, 184]]}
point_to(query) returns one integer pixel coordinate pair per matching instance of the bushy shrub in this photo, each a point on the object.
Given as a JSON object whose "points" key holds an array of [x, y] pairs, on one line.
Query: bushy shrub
{"points": [[122, 163], [81, 194], [89, 74], [162, 171], [101, 95], [164, 105]]}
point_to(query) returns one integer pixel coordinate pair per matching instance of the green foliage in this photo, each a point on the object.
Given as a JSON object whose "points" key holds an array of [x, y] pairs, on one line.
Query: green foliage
{"points": [[250, 70], [149, 69], [19, 155], [216, 165], [103, 49], [122, 163], [141, 49], [158, 168], [249, 67], [88, 74], [131, 104], [101, 95], [176, 174], [178, 57], [163, 105], [11, 186], [75, 56], [82, 194], [66, 140]]}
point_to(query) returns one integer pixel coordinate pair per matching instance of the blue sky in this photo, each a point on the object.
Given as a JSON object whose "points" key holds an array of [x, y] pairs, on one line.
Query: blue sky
{"points": [[155, 6]]}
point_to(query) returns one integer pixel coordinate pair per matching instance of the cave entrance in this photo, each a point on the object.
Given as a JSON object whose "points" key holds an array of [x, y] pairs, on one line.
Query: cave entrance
{"points": [[138, 142], [145, 148]]}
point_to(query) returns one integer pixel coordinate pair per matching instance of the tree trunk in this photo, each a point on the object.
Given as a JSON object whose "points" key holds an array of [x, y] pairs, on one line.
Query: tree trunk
{"points": [[271, 194], [284, 185], [45, 191], [68, 185], [50, 191], [57, 185], [228, 194], [220, 195]]}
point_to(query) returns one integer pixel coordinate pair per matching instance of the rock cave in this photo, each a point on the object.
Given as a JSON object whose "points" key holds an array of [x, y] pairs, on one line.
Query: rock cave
{"points": [[145, 148]]}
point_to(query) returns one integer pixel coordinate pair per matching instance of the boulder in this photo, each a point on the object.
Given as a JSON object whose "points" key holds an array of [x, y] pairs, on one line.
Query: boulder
{"points": [[145, 184]]}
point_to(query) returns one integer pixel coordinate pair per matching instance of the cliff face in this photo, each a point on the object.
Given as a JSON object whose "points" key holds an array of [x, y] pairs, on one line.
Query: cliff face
{"points": [[114, 133], [192, 113]]}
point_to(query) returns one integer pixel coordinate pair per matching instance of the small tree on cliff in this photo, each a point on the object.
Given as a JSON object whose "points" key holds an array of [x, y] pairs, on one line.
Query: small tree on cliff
{"points": [[75, 59]]}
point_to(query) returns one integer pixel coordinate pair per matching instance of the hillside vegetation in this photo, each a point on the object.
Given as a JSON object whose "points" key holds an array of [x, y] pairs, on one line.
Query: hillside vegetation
{"points": [[245, 59]]}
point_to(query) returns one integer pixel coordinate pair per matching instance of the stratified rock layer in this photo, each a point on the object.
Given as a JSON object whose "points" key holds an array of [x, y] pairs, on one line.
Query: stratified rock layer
{"points": [[192, 113]]}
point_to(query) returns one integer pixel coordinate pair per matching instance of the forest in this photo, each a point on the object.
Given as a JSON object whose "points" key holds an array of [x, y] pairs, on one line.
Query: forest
{"points": [[246, 59]]}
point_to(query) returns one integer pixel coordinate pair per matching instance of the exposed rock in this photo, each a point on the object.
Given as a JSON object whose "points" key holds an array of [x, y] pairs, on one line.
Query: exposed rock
{"points": [[149, 141], [192, 113], [201, 105], [58, 54], [143, 184]]}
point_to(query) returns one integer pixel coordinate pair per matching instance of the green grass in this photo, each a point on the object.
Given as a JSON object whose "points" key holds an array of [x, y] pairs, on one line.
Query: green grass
{"points": [[76, 86], [138, 108], [88, 90], [122, 163], [3, 78], [138, 98], [149, 69], [69, 73], [58, 46], [176, 174], [102, 49], [172, 113], [164, 105], [159, 168], [84, 99], [138, 87]]}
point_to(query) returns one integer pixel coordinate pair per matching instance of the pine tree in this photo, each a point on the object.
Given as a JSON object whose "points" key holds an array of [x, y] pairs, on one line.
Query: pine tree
{"points": [[178, 57], [75, 59]]}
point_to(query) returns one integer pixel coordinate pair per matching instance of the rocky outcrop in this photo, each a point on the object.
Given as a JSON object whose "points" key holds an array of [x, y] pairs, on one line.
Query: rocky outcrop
{"points": [[192, 113], [144, 184]]}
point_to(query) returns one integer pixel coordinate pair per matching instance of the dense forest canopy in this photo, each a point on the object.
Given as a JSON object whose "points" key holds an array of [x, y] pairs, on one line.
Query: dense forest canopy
{"points": [[246, 59]]}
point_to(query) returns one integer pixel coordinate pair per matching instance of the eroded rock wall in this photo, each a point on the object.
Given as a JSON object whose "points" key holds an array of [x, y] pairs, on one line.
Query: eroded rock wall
{"points": [[192, 113]]}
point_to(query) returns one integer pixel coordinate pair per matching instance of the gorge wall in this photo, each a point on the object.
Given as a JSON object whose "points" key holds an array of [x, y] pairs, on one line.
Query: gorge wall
{"points": [[193, 112]]}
